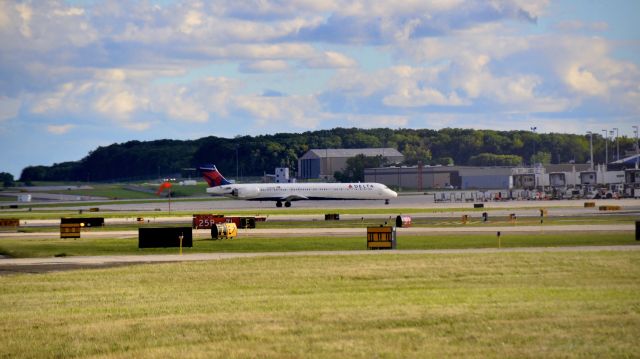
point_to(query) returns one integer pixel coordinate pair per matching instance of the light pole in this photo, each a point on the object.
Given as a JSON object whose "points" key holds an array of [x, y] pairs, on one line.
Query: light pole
{"points": [[635, 130], [591, 147], [237, 159], [606, 147], [617, 144], [533, 162]]}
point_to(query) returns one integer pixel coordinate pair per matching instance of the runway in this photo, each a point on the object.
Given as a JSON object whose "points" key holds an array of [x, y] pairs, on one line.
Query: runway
{"points": [[404, 201]]}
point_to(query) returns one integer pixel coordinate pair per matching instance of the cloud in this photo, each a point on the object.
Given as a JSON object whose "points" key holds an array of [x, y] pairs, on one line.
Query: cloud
{"points": [[377, 121], [300, 112], [385, 22], [330, 59], [9, 108], [581, 80], [265, 66], [60, 129], [132, 65], [577, 26]]}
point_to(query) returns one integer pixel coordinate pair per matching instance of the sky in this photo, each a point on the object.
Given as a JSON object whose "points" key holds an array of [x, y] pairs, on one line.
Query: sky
{"points": [[75, 75]]}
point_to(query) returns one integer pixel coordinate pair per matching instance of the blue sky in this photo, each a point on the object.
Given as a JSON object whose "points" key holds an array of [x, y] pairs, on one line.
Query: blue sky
{"points": [[75, 75]]}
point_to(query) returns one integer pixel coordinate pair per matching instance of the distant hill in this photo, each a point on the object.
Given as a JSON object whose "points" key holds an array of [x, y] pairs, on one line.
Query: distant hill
{"points": [[153, 159]]}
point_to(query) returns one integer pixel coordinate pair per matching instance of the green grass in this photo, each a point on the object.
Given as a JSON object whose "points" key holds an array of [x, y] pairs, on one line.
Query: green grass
{"points": [[569, 305], [41, 211], [125, 191], [107, 191], [475, 221], [366, 222], [30, 247]]}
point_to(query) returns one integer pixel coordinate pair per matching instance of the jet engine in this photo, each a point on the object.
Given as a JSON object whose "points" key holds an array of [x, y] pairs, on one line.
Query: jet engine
{"points": [[245, 192]]}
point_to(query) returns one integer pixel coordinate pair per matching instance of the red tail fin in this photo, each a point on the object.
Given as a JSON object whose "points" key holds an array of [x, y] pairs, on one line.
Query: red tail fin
{"points": [[213, 177]]}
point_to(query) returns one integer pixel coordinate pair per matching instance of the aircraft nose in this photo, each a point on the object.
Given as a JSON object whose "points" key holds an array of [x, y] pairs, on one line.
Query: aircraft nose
{"points": [[392, 193]]}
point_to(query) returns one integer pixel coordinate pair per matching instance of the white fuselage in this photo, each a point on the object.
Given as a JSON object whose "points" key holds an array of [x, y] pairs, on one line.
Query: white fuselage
{"points": [[304, 191]]}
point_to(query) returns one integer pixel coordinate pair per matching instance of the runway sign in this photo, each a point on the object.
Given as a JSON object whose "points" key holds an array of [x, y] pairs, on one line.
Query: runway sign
{"points": [[9, 222], [247, 222], [332, 217], [70, 230], [164, 237], [86, 222], [609, 208], [381, 237], [206, 221]]}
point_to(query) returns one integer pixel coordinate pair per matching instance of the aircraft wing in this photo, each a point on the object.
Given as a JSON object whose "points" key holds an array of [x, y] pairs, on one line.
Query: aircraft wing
{"points": [[294, 197]]}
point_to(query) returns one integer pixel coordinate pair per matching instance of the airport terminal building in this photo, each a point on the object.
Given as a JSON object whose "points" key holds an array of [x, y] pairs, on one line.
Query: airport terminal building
{"points": [[469, 177], [323, 163], [460, 177]]}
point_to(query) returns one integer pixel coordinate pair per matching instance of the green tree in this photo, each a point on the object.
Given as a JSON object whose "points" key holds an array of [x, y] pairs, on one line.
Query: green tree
{"points": [[7, 179], [541, 157], [354, 172], [414, 153], [491, 159], [444, 161]]}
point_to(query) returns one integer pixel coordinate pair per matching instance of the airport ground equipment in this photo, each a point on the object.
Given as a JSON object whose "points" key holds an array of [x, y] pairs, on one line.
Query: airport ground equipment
{"points": [[332, 217], [224, 231], [383, 237], [163, 237], [403, 221]]}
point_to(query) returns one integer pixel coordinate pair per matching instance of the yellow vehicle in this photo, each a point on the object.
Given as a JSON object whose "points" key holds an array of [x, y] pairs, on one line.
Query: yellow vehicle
{"points": [[224, 230]]}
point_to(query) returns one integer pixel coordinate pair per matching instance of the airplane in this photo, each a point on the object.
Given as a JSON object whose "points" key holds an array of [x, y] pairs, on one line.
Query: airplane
{"points": [[288, 192]]}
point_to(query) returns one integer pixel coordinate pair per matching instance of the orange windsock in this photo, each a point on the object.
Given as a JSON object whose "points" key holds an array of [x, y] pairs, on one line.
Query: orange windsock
{"points": [[163, 186]]}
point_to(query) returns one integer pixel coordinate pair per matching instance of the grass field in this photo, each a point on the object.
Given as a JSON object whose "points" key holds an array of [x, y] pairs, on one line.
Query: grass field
{"points": [[35, 247], [472, 305], [40, 210]]}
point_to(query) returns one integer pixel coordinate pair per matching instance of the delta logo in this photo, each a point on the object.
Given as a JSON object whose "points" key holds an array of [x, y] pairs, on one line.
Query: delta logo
{"points": [[213, 178]]}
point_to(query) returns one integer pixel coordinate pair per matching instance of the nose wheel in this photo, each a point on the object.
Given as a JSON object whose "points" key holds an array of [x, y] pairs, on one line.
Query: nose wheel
{"points": [[386, 201]]}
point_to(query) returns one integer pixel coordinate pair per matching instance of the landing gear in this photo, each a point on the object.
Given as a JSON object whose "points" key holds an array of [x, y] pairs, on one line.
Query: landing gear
{"points": [[286, 204], [386, 201]]}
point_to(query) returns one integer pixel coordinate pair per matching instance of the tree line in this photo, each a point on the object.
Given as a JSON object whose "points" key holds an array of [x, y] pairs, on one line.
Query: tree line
{"points": [[255, 155]]}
